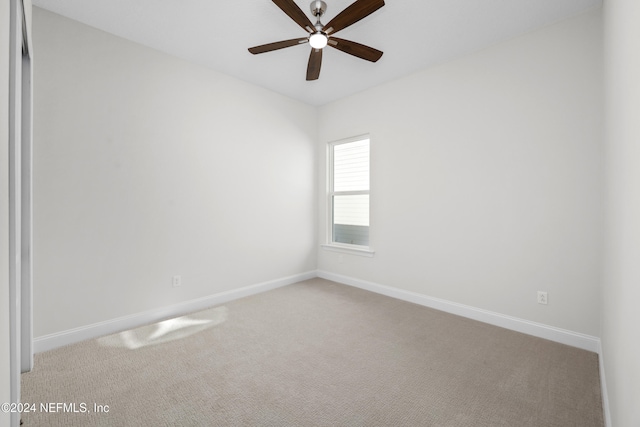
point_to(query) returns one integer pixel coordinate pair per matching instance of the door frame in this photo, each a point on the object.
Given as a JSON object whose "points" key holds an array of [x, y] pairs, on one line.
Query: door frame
{"points": [[26, 157], [20, 201]]}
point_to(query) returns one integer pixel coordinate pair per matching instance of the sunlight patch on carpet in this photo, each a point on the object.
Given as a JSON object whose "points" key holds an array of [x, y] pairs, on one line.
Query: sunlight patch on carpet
{"points": [[167, 330]]}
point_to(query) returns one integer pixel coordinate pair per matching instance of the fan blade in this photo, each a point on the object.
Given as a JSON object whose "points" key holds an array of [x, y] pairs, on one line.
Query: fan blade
{"points": [[290, 8], [352, 14], [315, 61], [355, 49], [277, 45]]}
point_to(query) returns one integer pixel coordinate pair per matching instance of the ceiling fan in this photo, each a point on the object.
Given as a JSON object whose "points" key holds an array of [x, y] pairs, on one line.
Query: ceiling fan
{"points": [[322, 35]]}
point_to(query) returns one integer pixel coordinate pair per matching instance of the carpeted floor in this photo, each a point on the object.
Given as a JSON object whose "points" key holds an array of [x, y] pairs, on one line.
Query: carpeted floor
{"points": [[316, 353]]}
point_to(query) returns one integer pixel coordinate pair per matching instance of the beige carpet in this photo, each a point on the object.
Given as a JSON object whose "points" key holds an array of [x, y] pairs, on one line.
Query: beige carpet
{"points": [[317, 354]]}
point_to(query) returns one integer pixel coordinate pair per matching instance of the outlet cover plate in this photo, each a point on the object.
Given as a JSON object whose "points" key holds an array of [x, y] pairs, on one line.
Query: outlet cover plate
{"points": [[176, 281], [542, 297]]}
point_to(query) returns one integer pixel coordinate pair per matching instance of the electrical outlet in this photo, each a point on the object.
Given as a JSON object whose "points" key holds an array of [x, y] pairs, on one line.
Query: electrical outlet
{"points": [[542, 297], [177, 281]]}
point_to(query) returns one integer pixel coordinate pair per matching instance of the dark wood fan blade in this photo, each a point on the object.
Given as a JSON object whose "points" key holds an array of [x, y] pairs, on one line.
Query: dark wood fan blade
{"points": [[355, 49], [315, 61], [276, 45], [291, 8], [352, 14]]}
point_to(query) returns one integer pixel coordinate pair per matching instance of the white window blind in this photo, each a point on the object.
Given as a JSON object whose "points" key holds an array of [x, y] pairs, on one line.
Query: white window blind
{"points": [[349, 192]]}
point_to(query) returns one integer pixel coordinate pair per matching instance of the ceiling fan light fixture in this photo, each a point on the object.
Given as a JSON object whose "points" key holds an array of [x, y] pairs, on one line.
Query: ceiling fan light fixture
{"points": [[318, 40]]}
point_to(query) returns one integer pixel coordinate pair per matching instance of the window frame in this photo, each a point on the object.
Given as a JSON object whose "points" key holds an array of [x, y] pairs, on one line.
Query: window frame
{"points": [[330, 245]]}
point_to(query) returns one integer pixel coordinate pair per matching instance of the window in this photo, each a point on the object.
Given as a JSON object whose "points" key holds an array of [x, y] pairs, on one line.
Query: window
{"points": [[349, 193]]}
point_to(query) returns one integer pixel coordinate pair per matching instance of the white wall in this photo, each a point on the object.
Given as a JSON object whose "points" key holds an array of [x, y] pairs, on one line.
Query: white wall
{"points": [[621, 285], [5, 395], [147, 167], [486, 178]]}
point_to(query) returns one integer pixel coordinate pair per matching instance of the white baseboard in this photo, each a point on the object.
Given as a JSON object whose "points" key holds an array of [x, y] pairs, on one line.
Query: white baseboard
{"points": [[540, 330], [59, 339], [603, 389]]}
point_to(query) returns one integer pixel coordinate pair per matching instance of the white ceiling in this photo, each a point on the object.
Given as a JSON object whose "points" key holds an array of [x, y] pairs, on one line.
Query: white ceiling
{"points": [[413, 34]]}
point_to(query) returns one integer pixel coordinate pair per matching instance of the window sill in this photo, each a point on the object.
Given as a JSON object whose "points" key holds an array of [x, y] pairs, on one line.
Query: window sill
{"points": [[349, 249]]}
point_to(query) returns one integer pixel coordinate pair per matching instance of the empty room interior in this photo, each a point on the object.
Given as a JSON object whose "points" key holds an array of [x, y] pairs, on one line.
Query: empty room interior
{"points": [[444, 234]]}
